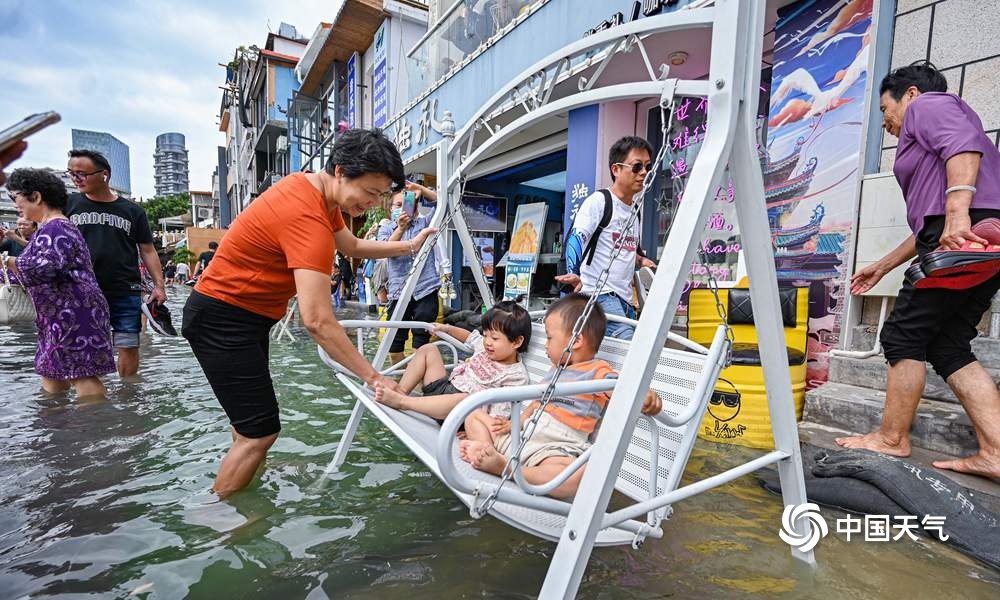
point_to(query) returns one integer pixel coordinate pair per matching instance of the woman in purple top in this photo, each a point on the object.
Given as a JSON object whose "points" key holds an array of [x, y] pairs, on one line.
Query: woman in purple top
{"points": [[949, 172], [74, 333]]}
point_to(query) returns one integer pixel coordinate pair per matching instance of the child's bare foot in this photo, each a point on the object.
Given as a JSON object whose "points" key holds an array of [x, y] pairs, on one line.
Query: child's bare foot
{"points": [[482, 456], [388, 397]]}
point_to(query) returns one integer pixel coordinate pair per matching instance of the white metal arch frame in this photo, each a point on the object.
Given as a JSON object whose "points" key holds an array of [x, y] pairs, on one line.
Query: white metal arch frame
{"points": [[732, 92]]}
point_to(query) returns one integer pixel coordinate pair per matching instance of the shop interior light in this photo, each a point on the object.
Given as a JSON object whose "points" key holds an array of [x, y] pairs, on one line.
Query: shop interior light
{"points": [[678, 58]]}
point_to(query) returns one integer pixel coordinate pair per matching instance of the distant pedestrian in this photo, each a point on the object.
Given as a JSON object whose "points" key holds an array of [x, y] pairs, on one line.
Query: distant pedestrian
{"points": [[183, 272], [336, 279], [206, 257]]}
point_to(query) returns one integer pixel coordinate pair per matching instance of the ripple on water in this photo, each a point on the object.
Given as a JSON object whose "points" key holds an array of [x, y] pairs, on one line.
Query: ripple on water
{"points": [[110, 498]]}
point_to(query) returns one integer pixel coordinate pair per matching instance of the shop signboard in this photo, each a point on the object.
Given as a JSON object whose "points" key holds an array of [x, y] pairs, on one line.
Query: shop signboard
{"points": [[525, 242], [380, 79], [581, 161], [352, 91]]}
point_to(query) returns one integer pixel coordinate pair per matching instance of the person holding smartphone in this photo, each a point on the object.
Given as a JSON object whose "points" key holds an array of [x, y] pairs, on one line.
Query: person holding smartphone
{"points": [[13, 241], [10, 155], [405, 224]]}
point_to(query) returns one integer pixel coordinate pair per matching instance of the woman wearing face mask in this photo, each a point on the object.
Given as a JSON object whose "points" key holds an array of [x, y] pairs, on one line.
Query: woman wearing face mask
{"points": [[423, 306]]}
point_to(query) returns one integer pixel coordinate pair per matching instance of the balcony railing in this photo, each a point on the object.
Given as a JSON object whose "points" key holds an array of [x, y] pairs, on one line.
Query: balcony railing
{"points": [[463, 28]]}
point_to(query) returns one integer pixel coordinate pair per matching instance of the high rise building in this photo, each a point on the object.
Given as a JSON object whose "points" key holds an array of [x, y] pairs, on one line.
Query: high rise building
{"points": [[170, 165], [114, 150]]}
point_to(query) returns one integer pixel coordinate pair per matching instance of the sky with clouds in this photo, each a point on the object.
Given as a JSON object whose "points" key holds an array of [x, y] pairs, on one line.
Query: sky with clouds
{"points": [[132, 68]]}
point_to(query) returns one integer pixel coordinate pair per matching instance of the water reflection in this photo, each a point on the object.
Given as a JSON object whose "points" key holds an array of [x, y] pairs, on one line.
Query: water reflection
{"points": [[109, 498]]}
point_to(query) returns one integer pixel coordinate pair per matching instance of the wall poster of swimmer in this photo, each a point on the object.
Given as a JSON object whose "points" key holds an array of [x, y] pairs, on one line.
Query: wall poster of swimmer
{"points": [[811, 156]]}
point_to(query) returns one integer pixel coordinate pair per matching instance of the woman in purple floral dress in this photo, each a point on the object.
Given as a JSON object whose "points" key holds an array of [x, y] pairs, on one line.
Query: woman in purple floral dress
{"points": [[74, 333]]}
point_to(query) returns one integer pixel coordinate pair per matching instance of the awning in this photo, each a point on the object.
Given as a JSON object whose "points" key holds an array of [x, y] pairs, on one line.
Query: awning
{"points": [[352, 31]]}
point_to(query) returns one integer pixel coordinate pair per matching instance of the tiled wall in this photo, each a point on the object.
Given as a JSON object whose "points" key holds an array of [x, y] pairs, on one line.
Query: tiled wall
{"points": [[962, 39]]}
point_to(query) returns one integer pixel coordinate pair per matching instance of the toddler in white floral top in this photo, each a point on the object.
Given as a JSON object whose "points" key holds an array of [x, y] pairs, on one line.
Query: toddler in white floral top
{"points": [[496, 362]]}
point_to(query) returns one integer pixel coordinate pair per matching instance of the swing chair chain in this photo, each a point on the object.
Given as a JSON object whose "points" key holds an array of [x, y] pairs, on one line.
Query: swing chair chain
{"points": [[713, 285], [567, 354]]}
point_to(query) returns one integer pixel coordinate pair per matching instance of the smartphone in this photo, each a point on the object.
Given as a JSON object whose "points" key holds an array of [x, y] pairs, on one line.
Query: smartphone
{"points": [[410, 203], [30, 125]]}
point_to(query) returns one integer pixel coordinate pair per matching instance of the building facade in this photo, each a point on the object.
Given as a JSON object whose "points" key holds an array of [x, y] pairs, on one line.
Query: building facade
{"points": [[114, 150], [260, 83], [205, 210], [170, 165]]}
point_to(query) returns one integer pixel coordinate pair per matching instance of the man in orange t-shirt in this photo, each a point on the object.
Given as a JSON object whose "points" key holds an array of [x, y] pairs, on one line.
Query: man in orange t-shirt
{"points": [[283, 245]]}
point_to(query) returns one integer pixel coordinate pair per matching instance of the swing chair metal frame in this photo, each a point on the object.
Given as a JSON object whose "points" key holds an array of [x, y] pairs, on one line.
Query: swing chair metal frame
{"points": [[640, 456]]}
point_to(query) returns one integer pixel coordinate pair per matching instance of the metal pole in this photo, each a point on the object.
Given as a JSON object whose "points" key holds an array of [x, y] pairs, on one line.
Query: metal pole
{"points": [[748, 184]]}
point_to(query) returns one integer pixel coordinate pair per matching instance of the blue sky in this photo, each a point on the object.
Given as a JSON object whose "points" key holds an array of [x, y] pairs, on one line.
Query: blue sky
{"points": [[132, 68]]}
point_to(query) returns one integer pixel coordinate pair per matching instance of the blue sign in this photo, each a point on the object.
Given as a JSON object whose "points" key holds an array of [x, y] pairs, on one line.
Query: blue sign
{"points": [[581, 160], [380, 77], [352, 91]]}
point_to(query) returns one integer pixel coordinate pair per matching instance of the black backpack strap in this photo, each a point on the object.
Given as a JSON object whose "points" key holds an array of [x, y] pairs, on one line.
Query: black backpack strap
{"points": [[588, 252]]}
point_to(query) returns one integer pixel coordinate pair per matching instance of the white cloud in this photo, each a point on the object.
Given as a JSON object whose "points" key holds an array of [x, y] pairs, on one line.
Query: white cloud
{"points": [[135, 70]]}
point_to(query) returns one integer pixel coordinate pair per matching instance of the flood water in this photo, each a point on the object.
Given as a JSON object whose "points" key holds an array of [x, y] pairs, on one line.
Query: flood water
{"points": [[109, 500]]}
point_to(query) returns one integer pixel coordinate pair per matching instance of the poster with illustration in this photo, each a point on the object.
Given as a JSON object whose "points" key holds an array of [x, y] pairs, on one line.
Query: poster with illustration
{"points": [[525, 241], [812, 155]]}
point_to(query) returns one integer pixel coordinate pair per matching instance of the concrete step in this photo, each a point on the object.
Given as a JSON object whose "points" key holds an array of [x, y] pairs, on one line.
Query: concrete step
{"points": [[863, 337], [939, 426], [873, 372], [815, 437], [986, 349]]}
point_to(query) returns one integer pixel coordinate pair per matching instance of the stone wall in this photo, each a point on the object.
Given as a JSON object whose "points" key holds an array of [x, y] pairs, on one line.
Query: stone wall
{"points": [[962, 39]]}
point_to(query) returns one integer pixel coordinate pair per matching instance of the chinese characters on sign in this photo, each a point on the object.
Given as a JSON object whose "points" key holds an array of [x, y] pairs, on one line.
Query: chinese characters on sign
{"points": [[352, 91], [380, 79]]}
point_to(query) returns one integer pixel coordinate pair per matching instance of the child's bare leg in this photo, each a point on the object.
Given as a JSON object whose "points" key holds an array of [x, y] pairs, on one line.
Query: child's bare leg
{"points": [[484, 457], [477, 427], [426, 362], [432, 406], [436, 406], [549, 469]]}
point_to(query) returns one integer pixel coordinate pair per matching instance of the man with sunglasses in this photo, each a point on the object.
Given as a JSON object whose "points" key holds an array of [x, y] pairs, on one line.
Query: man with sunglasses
{"points": [[595, 231], [118, 235]]}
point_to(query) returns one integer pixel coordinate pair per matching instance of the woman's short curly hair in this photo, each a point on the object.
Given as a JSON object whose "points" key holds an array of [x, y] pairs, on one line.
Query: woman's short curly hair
{"points": [[29, 181]]}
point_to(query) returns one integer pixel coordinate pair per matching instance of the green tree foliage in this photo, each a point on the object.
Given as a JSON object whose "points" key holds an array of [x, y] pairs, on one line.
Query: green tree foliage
{"points": [[183, 255], [166, 206], [373, 216]]}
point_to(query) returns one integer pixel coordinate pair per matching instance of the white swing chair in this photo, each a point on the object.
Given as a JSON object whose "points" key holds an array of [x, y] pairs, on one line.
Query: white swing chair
{"points": [[642, 457]]}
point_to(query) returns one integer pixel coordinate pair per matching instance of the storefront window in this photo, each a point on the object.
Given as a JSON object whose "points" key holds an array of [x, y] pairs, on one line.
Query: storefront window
{"points": [[719, 242], [460, 33]]}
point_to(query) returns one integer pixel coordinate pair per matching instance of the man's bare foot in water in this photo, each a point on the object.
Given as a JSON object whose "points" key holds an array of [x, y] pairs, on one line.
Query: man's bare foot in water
{"points": [[876, 442], [974, 465], [482, 456], [390, 398]]}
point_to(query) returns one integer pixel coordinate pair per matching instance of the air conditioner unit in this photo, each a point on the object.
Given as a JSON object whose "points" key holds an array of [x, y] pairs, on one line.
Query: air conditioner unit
{"points": [[282, 144], [204, 212]]}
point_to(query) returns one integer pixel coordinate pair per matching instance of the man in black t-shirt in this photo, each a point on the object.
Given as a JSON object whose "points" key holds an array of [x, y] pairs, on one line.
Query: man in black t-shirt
{"points": [[118, 235], [206, 257]]}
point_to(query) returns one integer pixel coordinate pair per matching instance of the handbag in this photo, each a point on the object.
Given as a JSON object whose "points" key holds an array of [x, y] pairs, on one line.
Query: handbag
{"points": [[15, 304]]}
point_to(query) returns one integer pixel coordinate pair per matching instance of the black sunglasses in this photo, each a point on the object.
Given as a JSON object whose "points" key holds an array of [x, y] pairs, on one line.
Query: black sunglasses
{"points": [[637, 167]]}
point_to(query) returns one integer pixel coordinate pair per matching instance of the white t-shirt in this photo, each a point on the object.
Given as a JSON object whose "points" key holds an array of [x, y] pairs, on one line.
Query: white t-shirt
{"points": [[183, 270], [587, 219]]}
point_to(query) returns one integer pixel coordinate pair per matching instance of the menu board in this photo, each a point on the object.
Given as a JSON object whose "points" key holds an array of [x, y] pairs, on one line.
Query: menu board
{"points": [[525, 242]]}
